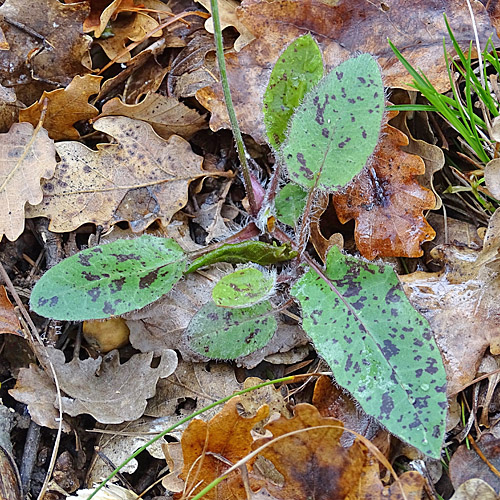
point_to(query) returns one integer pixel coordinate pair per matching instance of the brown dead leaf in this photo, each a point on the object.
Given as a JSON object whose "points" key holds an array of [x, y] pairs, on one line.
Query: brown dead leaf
{"points": [[26, 155], [65, 107], [35, 389], [60, 57], [127, 28], [461, 304], [9, 322], [9, 108], [109, 391], [387, 202], [315, 465], [166, 114], [342, 28], [474, 489], [210, 448], [88, 185], [229, 17]]}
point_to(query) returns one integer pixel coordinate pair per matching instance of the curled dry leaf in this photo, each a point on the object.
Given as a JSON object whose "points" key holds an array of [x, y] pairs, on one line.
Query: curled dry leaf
{"points": [[141, 171], [461, 304], [60, 58], [387, 201], [342, 28], [26, 155], [210, 448], [109, 391], [65, 107], [492, 177], [166, 114]]}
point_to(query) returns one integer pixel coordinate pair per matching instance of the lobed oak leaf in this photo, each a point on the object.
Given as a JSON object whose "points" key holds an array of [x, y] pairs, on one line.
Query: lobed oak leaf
{"points": [[387, 201], [65, 107], [140, 173], [342, 28], [26, 155], [210, 448], [58, 58], [167, 115], [109, 391]]}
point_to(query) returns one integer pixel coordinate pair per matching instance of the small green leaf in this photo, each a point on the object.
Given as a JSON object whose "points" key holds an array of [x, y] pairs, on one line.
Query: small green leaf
{"points": [[336, 128], [109, 280], [378, 347], [298, 69], [290, 203], [241, 253], [222, 333], [243, 288]]}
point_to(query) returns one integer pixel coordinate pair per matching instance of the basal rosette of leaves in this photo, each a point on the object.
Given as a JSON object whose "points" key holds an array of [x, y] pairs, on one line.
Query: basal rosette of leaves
{"points": [[378, 347]]}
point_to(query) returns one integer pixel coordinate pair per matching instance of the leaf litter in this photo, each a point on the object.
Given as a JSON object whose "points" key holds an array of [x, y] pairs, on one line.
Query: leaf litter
{"points": [[156, 171]]}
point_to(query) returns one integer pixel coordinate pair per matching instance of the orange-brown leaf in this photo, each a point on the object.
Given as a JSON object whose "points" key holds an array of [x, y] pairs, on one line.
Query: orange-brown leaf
{"points": [[387, 201], [65, 107], [210, 448], [9, 322]]}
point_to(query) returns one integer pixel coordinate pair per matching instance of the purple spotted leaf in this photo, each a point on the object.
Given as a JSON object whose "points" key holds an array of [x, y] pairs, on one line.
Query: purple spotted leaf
{"points": [[378, 347], [335, 129], [109, 280], [222, 333]]}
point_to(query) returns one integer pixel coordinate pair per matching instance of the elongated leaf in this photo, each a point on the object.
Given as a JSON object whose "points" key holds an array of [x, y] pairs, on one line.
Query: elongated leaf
{"points": [[222, 333], [298, 69], [379, 348], [109, 280], [336, 128], [243, 288], [241, 253], [290, 203]]}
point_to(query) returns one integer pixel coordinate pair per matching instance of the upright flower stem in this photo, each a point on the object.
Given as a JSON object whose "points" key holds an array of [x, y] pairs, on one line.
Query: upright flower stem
{"points": [[240, 145]]}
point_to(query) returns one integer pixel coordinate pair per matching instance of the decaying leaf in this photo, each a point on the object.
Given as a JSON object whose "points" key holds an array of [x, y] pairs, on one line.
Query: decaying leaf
{"points": [[26, 155], [337, 473], [89, 185], [65, 107], [109, 391], [387, 201], [342, 29], [167, 115], [210, 448], [56, 59], [461, 304], [475, 489]]}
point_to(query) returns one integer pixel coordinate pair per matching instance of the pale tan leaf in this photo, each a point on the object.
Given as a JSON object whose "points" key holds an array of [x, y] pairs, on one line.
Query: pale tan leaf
{"points": [[65, 107], [151, 174], [166, 114], [25, 157]]}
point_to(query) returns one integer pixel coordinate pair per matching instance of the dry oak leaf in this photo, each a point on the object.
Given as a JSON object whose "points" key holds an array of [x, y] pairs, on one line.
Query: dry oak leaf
{"points": [[210, 448], [306, 451], [9, 322], [461, 304], [57, 58], [166, 114], [26, 155], [65, 107], [109, 391], [387, 201], [88, 185], [342, 28], [35, 389]]}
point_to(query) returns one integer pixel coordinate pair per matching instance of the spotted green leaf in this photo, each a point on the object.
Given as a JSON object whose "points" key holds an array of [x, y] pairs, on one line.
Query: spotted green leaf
{"points": [[336, 128], [109, 280], [298, 69], [243, 288], [378, 347], [290, 203], [247, 251], [222, 333]]}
